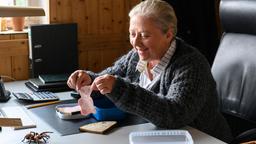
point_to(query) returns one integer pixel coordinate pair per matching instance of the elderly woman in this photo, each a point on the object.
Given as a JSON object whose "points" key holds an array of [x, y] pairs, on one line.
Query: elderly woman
{"points": [[162, 79]]}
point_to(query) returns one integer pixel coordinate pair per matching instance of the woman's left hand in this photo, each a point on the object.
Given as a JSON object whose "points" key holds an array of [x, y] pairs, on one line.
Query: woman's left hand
{"points": [[104, 83]]}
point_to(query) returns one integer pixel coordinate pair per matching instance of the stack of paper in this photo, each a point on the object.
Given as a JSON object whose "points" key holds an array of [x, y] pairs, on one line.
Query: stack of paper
{"points": [[19, 112]]}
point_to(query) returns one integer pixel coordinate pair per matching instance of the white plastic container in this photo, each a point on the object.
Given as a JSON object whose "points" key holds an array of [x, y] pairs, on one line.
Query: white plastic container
{"points": [[69, 116], [161, 137]]}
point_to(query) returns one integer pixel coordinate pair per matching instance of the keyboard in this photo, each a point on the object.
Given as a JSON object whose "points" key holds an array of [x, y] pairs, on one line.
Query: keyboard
{"points": [[36, 96]]}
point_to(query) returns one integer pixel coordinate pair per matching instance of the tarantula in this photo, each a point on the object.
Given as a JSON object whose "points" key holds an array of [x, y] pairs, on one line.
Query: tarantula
{"points": [[36, 137]]}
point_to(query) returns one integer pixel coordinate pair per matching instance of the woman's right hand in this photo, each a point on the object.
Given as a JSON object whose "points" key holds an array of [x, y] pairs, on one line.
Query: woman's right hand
{"points": [[78, 79]]}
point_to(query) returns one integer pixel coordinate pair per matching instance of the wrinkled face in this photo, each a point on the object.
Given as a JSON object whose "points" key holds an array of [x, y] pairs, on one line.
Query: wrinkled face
{"points": [[148, 39]]}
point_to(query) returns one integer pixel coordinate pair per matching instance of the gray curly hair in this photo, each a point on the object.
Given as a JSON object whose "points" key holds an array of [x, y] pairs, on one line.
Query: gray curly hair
{"points": [[159, 11]]}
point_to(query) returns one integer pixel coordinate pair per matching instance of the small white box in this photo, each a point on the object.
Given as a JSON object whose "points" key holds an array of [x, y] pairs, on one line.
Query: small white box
{"points": [[161, 137]]}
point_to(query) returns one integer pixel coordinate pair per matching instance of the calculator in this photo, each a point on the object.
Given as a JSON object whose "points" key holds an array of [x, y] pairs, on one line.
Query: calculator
{"points": [[36, 96]]}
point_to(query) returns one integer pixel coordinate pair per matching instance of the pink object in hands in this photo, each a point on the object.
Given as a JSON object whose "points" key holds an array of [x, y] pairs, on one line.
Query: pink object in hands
{"points": [[69, 110], [86, 102]]}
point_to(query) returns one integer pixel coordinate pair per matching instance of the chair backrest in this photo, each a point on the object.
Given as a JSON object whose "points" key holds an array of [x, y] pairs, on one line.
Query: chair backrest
{"points": [[234, 67]]}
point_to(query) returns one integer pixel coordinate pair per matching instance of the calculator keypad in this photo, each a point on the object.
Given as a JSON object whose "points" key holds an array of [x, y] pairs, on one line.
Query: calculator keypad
{"points": [[36, 96]]}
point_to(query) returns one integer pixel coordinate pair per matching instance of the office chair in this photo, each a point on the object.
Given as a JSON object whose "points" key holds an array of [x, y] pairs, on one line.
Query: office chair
{"points": [[197, 25], [234, 67]]}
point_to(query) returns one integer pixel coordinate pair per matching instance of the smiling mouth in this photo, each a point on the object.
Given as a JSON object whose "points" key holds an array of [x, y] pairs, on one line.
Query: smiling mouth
{"points": [[142, 50]]}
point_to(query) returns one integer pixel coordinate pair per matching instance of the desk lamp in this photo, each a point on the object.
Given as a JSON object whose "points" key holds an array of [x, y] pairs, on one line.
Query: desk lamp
{"points": [[18, 14]]}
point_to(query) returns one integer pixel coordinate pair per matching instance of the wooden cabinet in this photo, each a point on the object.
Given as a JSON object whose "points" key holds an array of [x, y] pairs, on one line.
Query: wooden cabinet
{"points": [[14, 56]]}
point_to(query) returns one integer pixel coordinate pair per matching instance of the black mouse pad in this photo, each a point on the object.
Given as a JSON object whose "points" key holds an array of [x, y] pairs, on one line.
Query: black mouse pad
{"points": [[68, 127]]}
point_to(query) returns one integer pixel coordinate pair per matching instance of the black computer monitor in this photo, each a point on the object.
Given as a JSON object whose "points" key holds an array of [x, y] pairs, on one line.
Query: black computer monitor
{"points": [[53, 49]]}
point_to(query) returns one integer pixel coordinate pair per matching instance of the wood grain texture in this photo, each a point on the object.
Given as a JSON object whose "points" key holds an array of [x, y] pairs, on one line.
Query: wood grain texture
{"points": [[92, 7], [20, 66], [14, 57], [102, 35], [53, 11], [102, 28], [105, 15], [4, 37], [5, 65], [10, 122]]}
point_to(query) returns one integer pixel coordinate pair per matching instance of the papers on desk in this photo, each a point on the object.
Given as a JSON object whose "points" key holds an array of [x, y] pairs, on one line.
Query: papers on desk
{"points": [[18, 112], [161, 137]]}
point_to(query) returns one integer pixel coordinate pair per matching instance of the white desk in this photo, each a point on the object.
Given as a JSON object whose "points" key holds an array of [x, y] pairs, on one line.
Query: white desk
{"points": [[118, 136]]}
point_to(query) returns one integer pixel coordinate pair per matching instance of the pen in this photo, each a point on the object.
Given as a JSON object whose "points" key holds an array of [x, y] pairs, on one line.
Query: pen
{"points": [[42, 104]]}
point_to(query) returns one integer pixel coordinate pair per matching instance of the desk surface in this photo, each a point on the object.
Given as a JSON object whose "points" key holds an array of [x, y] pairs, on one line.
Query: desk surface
{"points": [[117, 136]]}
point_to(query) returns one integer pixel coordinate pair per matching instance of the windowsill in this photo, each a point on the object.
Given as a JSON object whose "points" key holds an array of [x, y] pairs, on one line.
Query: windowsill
{"points": [[14, 32]]}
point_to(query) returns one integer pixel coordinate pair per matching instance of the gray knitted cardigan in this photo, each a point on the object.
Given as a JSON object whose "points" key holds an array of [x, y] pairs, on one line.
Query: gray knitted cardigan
{"points": [[184, 95]]}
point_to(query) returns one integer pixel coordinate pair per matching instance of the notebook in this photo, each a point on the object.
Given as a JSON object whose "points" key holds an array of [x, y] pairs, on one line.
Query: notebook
{"points": [[53, 78], [36, 82], [37, 85]]}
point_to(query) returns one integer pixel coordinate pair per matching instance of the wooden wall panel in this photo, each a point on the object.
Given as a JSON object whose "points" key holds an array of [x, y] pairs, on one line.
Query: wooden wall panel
{"points": [[105, 15], [53, 11], [119, 16], [109, 57], [102, 28], [133, 3], [92, 42], [92, 7], [94, 60], [64, 11], [83, 59], [79, 15]]}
